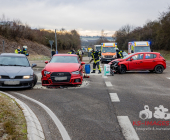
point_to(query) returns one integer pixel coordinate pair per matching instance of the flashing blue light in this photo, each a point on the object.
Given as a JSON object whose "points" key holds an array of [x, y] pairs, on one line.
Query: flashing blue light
{"points": [[101, 43]]}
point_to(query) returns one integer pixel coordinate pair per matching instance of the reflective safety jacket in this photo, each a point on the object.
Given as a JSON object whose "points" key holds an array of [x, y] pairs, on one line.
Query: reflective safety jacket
{"points": [[120, 54], [95, 56], [18, 51]]}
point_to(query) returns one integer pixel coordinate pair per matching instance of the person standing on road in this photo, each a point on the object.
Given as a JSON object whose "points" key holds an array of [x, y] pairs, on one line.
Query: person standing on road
{"points": [[121, 53], [18, 50], [95, 57]]}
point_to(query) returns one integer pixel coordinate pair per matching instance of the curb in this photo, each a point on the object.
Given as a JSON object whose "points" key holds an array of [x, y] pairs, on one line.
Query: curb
{"points": [[34, 128]]}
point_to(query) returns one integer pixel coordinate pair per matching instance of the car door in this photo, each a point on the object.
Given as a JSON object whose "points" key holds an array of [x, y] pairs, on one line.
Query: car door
{"points": [[150, 61], [137, 62]]}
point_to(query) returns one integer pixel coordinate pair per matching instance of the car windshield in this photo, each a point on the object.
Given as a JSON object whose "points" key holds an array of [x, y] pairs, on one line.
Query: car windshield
{"points": [[128, 55], [142, 49], [64, 59], [108, 49], [98, 48], [14, 61]]}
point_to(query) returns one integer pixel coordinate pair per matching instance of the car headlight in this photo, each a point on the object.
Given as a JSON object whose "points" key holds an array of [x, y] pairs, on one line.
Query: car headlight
{"points": [[27, 77], [76, 72], [46, 72]]}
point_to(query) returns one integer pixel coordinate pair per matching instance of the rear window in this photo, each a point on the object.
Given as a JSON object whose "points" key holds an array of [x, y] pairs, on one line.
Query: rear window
{"points": [[150, 56]]}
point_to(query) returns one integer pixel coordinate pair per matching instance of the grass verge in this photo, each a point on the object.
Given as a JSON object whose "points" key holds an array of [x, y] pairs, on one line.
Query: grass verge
{"points": [[12, 120], [38, 57]]}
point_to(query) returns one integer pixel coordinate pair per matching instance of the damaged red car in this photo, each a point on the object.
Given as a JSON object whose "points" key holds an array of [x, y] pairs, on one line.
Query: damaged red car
{"points": [[63, 69]]}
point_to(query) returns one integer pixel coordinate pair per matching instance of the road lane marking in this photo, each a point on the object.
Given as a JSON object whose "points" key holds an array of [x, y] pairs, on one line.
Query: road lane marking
{"points": [[104, 76], [168, 77], [57, 122], [108, 84], [127, 128], [114, 97]]}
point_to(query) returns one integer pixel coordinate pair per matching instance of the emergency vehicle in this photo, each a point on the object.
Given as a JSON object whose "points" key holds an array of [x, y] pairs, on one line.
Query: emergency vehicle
{"points": [[138, 46], [108, 52], [97, 47]]}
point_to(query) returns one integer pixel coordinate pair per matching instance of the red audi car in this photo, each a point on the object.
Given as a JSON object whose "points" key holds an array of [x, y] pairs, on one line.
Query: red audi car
{"points": [[62, 69], [152, 61]]}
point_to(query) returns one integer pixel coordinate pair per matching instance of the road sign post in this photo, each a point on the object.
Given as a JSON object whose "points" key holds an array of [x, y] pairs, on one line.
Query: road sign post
{"points": [[51, 43], [3, 42]]}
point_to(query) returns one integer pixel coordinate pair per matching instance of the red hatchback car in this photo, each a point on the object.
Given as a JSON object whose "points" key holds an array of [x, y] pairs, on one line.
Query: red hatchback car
{"points": [[152, 61], [62, 69]]}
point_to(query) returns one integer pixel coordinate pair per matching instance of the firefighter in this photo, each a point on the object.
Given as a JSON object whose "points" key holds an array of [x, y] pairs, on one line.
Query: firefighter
{"points": [[71, 52], [18, 50], [24, 51], [95, 57], [121, 53]]}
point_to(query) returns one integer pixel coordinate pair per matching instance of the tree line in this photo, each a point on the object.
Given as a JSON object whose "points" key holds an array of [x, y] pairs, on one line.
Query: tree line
{"points": [[15, 30], [157, 32]]}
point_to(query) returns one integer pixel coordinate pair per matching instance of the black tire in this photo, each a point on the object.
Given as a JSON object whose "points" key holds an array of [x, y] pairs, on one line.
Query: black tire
{"points": [[159, 69], [122, 69], [35, 79]]}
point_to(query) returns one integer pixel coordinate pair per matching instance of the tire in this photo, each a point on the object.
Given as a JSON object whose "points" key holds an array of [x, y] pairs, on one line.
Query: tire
{"points": [[159, 69], [35, 80], [122, 69]]}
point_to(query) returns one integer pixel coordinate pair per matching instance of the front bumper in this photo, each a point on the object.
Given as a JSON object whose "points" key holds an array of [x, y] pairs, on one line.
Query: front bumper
{"points": [[71, 80], [106, 59], [23, 83]]}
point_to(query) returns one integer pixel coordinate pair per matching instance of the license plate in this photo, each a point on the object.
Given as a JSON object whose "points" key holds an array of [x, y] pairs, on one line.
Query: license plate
{"points": [[60, 78], [11, 82]]}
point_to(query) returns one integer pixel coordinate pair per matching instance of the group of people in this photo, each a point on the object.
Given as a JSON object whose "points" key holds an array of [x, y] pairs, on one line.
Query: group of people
{"points": [[23, 51], [79, 53]]}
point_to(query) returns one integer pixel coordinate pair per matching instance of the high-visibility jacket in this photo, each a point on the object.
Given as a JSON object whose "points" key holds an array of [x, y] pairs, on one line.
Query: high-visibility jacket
{"points": [[18, 51], [95, 56], [120, 54]]}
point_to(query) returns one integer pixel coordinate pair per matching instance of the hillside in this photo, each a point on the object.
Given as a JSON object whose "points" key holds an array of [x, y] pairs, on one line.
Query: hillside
{"points": [[33, 47]]}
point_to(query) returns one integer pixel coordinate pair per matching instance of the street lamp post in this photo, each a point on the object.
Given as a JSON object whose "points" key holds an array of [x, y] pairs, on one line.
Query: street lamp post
{"points": [[56, 41]]}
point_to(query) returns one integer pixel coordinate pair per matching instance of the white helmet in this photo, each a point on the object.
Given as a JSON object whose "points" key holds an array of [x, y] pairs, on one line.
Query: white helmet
{"points": [[25, 47], [117, 48]]}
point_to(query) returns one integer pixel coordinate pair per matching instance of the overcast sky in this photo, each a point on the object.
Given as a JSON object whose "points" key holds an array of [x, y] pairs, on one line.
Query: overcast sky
{"points": [[89, 17]]}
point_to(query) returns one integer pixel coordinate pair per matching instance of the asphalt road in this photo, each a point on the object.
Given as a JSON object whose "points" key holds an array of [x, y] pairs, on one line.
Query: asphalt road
{"points": [[88, 113]]}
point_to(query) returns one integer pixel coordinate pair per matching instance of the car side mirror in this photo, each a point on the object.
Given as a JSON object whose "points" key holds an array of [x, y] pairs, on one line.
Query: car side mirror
{"points": [[83, 63], [46, 62], [131, 59], [34, 65]]}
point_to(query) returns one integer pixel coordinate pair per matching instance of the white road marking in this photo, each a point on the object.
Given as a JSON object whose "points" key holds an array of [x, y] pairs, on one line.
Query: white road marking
{"points": [[104, 76], [168, 77], [108, 84], [114, 97], [127, 128], [59, 125]]}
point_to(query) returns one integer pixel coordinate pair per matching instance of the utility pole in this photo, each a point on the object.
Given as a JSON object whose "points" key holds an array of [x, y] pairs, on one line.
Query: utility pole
{"points": [[3, 46], [56, 41]]}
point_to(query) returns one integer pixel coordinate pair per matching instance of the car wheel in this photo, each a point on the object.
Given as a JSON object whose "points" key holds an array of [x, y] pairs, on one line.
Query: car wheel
{"points": [[159, 69], [122, 69], [35, 80]]}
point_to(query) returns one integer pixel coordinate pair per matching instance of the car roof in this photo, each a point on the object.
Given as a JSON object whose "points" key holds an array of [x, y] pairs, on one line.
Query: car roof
{"points": [[65, 55], [147, 52], [12, 54]]}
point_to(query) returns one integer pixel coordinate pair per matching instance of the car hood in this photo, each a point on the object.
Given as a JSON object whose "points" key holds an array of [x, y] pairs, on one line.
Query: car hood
{"points": [[62, 67], [13, 71]]}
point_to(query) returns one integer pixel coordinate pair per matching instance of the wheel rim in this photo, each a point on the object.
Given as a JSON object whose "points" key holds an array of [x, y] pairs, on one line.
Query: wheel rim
{"points": [[123, 70], [159, 69]]}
